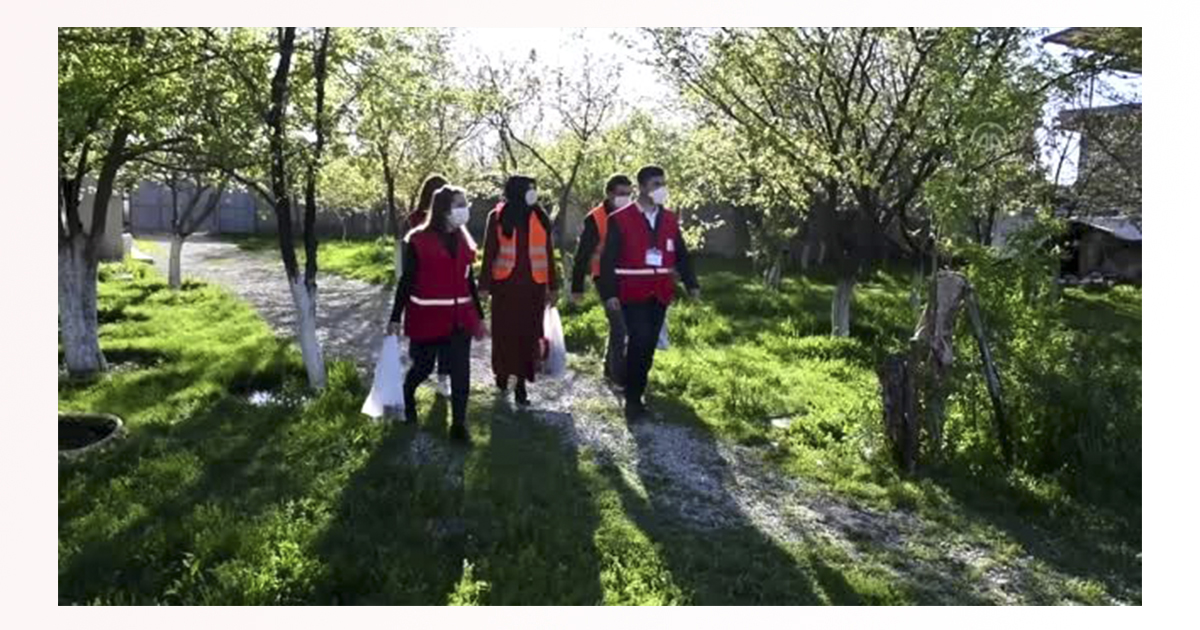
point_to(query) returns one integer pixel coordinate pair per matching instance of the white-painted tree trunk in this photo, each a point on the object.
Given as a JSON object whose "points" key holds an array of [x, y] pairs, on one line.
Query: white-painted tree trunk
{"points": [[804, 252], [174, 276], [306, 333], [842, 297], [774, 274], [77, 315]]}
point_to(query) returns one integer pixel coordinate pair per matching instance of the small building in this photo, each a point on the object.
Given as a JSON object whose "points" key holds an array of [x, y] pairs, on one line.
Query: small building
{"points": [[1109, 248], [1103, 207], [110, 247]]}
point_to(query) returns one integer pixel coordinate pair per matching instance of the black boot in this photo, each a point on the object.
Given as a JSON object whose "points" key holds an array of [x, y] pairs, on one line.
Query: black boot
{"points": [[459, 433], [502, 383], [522, 396], [635, 411], [410, 414]]}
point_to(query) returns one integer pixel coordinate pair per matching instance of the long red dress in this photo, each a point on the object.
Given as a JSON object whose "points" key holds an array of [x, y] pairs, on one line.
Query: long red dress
{"points": [[518, 303]]}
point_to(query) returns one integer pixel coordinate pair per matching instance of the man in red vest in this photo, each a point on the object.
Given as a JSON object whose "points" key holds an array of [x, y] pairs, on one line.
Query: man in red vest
{"points": [[642, 250], [618, 193]]}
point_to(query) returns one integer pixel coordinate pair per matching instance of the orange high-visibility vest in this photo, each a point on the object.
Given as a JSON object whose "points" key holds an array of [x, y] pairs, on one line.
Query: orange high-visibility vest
{"points": [[539, 250], [600, 215]]}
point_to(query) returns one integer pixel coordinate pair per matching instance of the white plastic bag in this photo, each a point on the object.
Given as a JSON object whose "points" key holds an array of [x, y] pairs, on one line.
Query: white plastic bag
{"points": [[663, 342], [387, 391], [556, 359]]}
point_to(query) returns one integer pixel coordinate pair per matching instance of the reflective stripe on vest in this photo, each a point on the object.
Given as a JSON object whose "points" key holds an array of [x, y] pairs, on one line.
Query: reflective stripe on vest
{"points": [[506, 256], [645, 271], [441, 302], [600, 215]]}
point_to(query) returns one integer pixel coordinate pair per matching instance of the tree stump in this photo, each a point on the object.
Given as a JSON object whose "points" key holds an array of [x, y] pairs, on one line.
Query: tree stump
{"points": [[933, 349]]}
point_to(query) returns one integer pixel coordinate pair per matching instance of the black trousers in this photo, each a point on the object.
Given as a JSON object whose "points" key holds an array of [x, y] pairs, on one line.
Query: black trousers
{"points": [[443, 361], [643, 321], [453, 353]]}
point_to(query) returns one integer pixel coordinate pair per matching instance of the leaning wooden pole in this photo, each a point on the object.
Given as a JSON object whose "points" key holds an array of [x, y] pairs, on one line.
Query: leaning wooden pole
{"points": [[992, 377]]}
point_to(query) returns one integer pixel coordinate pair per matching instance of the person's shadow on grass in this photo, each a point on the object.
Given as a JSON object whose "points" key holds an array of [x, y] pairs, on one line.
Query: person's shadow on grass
{"points": [[507, 520], [380, 547], [532, 512], [714, 551], [244, 471]]}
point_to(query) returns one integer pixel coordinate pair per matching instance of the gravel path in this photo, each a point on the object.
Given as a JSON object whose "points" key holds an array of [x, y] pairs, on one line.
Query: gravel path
{"points": [[703, 482]]}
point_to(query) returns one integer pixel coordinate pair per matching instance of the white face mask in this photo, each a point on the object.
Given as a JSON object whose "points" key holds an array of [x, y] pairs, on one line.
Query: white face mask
{"points": [[458, 217], [659, 195], [621, 202], [530, 197]]}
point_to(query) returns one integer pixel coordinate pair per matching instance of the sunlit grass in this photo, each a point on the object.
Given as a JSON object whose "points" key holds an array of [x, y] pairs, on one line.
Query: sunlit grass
{"points": [[214, 500]]}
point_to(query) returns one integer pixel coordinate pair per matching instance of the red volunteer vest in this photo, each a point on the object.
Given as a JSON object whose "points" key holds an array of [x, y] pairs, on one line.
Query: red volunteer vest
{"points": [[441, 297], [637, 281]]}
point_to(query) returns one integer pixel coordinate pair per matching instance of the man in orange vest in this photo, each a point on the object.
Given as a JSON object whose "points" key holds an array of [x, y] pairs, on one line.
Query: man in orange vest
{"points": [[642, 251], [617, 194]]}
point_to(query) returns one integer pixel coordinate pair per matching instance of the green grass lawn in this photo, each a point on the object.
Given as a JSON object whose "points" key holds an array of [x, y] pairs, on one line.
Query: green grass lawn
{"points": [[212, 499]]}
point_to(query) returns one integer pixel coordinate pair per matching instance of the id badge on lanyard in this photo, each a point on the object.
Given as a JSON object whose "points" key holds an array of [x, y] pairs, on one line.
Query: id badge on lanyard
{"points": [[653, 255]]}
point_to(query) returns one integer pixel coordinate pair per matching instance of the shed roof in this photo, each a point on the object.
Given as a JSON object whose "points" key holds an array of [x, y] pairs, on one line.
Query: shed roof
{"points": [[1091, 38], [1120, 227]]}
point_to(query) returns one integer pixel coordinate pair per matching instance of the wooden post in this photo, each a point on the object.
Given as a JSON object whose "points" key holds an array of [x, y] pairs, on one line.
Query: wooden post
{"points": [[900, 420]]}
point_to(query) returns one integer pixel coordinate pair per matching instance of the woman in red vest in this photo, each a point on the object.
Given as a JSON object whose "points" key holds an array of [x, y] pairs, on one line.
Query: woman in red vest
{"points": [[519, 272], [416, 219], [440, 304], [642, 251]]}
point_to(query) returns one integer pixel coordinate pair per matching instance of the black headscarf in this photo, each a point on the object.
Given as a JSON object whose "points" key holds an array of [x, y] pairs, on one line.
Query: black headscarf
{"points": [[516, 211]]}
